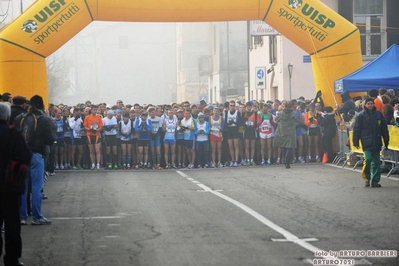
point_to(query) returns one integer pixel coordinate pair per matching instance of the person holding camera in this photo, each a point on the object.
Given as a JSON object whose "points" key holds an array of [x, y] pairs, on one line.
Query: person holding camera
{"points": [[93, 125], [110, 130], [188, 125], [126, 130], [143, 128], [76, 124], [170, 126], [312, 122], [216, 137], [232, 118], [202, 141]]}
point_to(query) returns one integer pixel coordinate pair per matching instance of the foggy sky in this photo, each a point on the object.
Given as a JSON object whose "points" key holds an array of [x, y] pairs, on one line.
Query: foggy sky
{"points": [[109, 61]]}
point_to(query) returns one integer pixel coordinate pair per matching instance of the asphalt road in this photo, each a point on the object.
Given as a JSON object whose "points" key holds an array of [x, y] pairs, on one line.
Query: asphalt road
{"points": [[229, 216]]}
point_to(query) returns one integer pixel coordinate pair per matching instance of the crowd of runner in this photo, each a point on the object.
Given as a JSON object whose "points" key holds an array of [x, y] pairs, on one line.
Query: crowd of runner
{"points": [[174, 136], [125, 136]]}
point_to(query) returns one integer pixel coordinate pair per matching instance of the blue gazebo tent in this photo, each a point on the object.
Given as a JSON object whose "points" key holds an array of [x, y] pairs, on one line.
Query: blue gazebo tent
{"points": [[382, 72]]}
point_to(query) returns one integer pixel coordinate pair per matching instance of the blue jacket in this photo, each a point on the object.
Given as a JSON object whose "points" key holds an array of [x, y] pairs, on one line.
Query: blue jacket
{"points": [[143, 128], [369, 127]]}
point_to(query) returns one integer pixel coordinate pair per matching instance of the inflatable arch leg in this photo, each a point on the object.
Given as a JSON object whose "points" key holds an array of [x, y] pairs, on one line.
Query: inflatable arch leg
{"points": [[332, 41]]}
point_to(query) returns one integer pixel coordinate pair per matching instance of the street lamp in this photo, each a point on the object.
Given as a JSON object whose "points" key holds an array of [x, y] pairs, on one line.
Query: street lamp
{"points": [[290, 68]]}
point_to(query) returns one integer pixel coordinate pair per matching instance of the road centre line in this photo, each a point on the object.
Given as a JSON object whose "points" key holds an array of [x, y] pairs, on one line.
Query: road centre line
{"points": [[288, 235]]}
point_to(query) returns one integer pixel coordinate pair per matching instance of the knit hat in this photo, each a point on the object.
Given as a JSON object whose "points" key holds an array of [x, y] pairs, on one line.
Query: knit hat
{"points": [[37, 101], [18, 100]]}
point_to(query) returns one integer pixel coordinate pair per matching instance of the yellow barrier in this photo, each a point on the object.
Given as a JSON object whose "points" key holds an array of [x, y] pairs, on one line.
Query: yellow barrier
{"points": [[393, 138], [353, 148], [46, 25]]}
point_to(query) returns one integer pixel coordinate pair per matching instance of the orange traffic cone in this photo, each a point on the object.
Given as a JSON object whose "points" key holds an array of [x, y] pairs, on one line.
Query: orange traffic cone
{"points": [[325, 158]]}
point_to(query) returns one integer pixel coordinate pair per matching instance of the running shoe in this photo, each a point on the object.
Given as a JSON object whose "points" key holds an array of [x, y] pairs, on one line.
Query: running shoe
{"points": [[41, 221]]}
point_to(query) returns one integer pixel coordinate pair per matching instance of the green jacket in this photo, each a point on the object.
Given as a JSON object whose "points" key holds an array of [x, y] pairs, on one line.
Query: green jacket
{"points": [[285, 136]]}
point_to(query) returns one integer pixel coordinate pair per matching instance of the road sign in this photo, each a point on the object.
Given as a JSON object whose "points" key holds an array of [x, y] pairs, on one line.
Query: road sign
{"points": [[260, 77], [203, 90]]}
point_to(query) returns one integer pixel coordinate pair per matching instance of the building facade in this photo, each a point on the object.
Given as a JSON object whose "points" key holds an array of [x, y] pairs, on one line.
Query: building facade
{"points": [[288, 71]]}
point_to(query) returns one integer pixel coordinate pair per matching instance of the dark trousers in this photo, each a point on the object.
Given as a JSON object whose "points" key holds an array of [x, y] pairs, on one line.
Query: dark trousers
{"points": [[202, 148], [49, 160], [9, 213], [287, 155], [326, 144]]}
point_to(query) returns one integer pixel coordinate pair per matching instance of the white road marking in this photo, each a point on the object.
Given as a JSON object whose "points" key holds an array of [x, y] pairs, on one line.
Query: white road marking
{"points": [[86, 218], [312, 239], [288, 235], [112, 236], [182, 174]]}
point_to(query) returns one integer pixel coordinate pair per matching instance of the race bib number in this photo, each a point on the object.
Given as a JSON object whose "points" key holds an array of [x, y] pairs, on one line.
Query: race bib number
{"points": [[60, 129], [215, 129], [265, 128], [170, 130], [249, 123]]}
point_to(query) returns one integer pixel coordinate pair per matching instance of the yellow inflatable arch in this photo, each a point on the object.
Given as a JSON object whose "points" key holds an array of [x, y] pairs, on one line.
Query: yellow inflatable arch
{"points": [[332, 41]]}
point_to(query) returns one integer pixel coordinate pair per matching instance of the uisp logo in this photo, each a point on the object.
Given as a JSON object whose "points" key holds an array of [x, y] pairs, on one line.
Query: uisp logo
{"points": [[294, 4], [30, 26]]}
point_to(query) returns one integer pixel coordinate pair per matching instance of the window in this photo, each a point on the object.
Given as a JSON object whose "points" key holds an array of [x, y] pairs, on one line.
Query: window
{"points": [[368, 16], [258, 41], [272, 49]]}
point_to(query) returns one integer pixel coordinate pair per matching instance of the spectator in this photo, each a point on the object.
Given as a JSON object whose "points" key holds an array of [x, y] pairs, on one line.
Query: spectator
{"points": [[370, 128], [329, 130], [17, 107], [348, 104], [43, 135], [285, 136], [12, 146], [373, 93]]}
